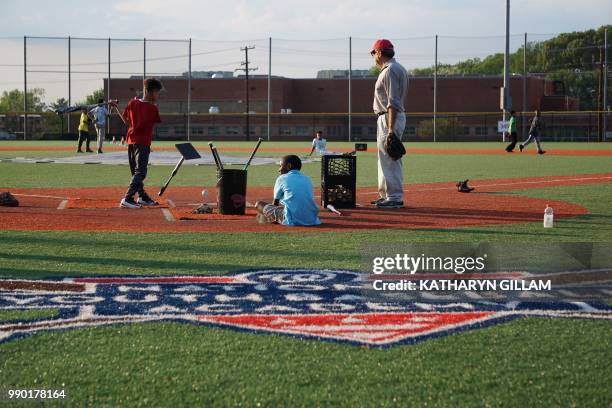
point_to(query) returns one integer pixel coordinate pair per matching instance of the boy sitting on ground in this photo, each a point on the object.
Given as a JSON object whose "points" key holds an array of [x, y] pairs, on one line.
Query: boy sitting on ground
{"points": [[294, 191]]}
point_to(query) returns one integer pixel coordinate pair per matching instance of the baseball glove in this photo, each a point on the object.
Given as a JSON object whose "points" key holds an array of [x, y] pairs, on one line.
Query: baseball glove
{"points": [[463, 187], [394, 147], [203, 209], [8, 200]]}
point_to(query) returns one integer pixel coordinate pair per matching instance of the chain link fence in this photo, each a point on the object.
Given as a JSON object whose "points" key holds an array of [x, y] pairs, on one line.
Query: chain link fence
{"points": [[291, 88]]}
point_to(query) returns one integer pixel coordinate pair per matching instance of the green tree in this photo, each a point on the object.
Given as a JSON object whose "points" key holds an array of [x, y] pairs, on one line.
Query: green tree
{"points": [[445, 127], [55, 123], [12, 101], [374, 70], [94, 96], [569, 57], [59, 103]]}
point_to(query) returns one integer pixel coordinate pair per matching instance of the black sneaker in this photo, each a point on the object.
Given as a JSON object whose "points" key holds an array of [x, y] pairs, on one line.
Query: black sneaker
{"points": [[391, 204], [79, 151], [541, 151], [145, 200], [129, 202], [376, 202], [521, 147], [100, 151]]}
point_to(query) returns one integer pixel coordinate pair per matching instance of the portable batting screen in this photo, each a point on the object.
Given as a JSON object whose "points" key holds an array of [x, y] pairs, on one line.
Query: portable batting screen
{"points": [[339, 181]]}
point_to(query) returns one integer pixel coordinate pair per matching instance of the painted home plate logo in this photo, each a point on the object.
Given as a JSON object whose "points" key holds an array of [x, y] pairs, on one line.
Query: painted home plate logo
{"points": [[319, 304]]}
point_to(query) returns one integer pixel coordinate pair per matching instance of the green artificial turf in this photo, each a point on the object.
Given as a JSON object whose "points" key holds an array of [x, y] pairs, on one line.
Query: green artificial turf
{"points": [[525, 362], [25, 315], [418, 168]]}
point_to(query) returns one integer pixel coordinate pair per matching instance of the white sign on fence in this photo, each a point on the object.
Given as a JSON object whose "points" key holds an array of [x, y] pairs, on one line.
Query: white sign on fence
{"points": [[502, 126]]}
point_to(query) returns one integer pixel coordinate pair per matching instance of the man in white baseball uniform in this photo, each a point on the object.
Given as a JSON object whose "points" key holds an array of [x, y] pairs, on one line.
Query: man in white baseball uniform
{"points": [[389, 95], [319, 144]]}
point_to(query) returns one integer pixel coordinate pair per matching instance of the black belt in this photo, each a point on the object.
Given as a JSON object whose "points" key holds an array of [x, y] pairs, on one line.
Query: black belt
{"points": [[380, 113]]}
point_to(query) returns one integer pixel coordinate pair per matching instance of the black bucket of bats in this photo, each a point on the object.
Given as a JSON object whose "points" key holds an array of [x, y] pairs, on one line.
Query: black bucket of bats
{"points": [[231, 184], [231, 191]]}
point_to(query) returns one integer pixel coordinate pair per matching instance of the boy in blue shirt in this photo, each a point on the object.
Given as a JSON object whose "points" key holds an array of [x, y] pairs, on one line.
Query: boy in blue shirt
{"points": [[294, 191]]}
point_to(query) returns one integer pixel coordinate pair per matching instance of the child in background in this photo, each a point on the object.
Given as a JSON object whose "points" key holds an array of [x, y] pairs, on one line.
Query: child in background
{"points": [[84, 131], [140, 116]]}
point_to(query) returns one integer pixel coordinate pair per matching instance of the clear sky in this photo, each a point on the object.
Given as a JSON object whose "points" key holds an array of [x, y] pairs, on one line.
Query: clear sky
{"points": [[217, 24]]}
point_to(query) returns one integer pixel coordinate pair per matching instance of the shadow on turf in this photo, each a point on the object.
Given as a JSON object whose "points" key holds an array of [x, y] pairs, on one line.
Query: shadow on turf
{"points": [[170, 266]]}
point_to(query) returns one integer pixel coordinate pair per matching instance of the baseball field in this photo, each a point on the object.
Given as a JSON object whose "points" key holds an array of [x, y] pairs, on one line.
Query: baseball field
{"points": [[68, 230]]}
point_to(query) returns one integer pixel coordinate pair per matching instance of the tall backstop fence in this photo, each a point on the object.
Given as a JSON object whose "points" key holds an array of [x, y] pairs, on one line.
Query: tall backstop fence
{"points": [[282, 89]]}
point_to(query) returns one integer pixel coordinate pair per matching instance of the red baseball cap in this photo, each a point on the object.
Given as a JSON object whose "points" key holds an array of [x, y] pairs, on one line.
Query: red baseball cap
{"points": [[382, 44]]}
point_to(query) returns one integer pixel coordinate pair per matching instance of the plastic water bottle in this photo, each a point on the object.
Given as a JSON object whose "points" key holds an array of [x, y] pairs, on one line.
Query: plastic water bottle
{"points": [[548, 217]]}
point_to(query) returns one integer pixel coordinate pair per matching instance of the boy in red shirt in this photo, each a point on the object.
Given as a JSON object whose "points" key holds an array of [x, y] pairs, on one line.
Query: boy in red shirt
{"points": [[140, 116]]}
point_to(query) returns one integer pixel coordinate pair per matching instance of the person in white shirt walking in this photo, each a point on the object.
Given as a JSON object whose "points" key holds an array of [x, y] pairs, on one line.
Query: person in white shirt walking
{"points": [[99, 115], [389, 95]]}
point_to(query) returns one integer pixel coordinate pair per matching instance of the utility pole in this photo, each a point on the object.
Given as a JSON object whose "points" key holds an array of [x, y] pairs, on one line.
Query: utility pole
{"points": [[435, 89], [600, 97], [605, 85], [350, 90], [69, 82], [505, 97], [189, 96], [523, 121], [269, 83], [25, 87], [246, 70], [108, 83]]}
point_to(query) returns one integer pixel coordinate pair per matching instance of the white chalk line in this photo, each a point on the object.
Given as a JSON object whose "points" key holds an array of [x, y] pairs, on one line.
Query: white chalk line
{"points": [[40, 196], [167, 214]]}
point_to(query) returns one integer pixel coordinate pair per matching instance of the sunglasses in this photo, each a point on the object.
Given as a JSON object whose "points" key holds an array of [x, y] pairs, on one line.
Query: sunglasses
{"points": [[373, 52]]}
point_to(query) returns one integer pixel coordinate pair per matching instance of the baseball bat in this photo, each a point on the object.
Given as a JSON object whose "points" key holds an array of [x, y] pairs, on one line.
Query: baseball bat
{"points": [[178, 165], [248, 163], [75, 108], [333, 209], [215, 155]]}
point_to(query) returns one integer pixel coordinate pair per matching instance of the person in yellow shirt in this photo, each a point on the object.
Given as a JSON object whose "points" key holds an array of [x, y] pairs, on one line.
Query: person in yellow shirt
{"points": [[84, 132]]}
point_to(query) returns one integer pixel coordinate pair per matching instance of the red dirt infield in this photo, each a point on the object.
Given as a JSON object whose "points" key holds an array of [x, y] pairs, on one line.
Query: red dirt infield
{"points": [[371, 149], [434, 205]]}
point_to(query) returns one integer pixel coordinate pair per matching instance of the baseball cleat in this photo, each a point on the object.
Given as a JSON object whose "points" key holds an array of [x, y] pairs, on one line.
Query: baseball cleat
{"points": [[463, 187], [147, 201], [129, 203], [390, 204]]}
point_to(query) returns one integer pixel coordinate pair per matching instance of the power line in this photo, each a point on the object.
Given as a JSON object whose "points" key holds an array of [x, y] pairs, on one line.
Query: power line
{"points": [[246, 70], [123, 61]]}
